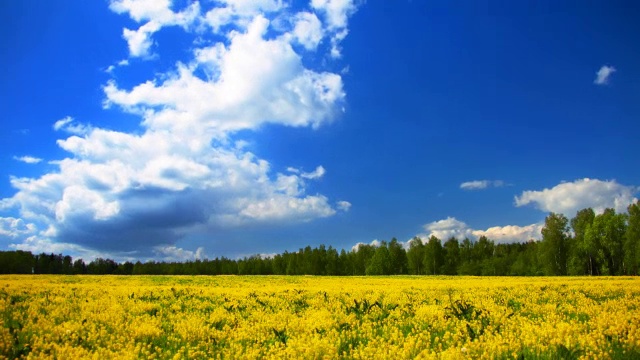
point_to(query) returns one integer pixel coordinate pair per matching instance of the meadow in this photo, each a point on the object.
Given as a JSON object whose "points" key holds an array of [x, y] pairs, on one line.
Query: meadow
{"points": [[276, 317]]}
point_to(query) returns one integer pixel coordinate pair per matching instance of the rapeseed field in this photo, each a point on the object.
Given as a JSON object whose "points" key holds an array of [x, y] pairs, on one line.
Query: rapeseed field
{"points": [[278, 317]]}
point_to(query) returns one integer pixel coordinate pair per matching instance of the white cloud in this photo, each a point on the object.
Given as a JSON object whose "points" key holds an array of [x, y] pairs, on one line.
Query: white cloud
{"points": [[13, 227], [260, 81], [570, 197], [374, 243], [481, 184], [177, 254], [447, 228], [511, 233], [280, 207], [62, 123], [38, 245], [141, 10], [239, 12], [157, 14], [451, 227], [134, 195], [140, 40], [78, 201], [336, 14], [121, 63], [343, 205], [603, 75], [69, 125], [336, 11], [308, 30], [27, 159], [316, 174]]}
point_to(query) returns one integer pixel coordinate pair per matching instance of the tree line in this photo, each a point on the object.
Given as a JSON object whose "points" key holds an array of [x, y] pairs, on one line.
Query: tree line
{"points": [[588, 244]]}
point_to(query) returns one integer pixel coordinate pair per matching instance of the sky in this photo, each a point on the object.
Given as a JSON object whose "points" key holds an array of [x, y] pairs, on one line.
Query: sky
{"points": [[177, 130]]}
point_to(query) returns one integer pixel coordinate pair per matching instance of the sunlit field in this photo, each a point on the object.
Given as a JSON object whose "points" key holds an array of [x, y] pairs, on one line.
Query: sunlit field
{"points": [[164, 317]]}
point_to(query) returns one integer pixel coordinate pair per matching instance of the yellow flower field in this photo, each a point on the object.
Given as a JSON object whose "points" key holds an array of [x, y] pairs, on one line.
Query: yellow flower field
{"points": [[179, 317]]}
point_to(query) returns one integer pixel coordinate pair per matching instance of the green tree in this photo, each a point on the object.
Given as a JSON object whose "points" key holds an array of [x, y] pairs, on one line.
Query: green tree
{"points": [[433, 256], [555, 243], [483, 251], [582, 254], [469, 264], [397, 257], [332, 262], [607, 234], [363, 253], [451, 256], [632, 240], [380, 263], [415, 256]]}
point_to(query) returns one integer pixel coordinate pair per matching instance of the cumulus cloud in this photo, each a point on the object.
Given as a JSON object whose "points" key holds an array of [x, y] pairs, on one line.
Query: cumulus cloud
{"points": [[308, 30], [511, 233], [570, 197], [451, 227], [374, 243], [481, 184], [137, 194], [258, 81], [14, 227], [157, 14], [447, 228], [239, 13], [336, 14], [603, 75], [27, 159]]}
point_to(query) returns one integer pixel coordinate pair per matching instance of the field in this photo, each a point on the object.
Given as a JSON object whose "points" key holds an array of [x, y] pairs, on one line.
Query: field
{"points": [[108, 317]]}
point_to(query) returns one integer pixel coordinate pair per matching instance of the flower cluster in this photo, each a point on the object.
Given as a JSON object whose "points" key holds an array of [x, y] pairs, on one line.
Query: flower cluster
{"points": [[275, 317]]}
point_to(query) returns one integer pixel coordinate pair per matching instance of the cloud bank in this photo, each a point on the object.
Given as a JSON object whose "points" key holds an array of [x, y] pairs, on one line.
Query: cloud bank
{"points": [[136, 194]]}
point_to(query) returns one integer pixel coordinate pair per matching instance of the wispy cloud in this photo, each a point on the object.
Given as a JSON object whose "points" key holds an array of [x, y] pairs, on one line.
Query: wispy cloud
{"points": [[27, 159], [69, 125], [481, 184], [603, 75], [62, 123], [316, 174]]}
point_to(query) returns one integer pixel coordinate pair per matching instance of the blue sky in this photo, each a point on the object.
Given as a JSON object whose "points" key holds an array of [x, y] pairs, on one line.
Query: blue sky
{"points": [[175, 130]]}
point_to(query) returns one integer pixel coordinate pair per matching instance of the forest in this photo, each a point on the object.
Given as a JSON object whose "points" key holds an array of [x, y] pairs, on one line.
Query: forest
{"points": [[588, 244]]}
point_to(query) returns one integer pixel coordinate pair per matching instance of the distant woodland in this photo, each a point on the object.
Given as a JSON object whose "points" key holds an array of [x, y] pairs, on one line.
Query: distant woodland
{"points": [[588, 244]]}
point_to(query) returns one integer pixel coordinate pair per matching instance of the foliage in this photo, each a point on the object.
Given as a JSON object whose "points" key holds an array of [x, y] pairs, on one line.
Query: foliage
{"points": [[555, 243]]}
